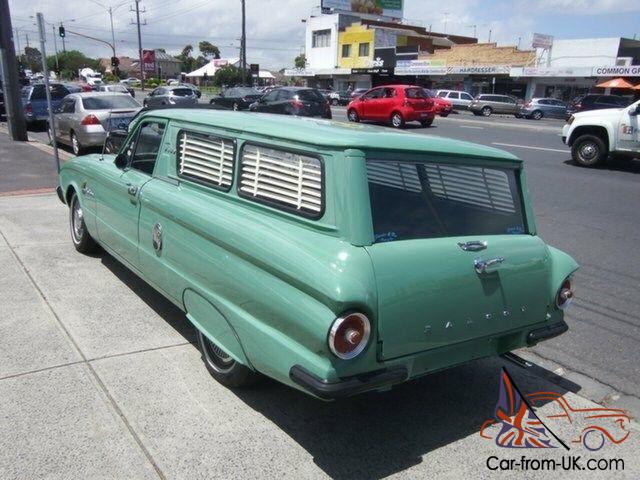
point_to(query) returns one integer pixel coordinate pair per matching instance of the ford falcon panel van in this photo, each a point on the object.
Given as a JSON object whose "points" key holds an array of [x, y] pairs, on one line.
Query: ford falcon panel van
{"points": [[335, 258]]}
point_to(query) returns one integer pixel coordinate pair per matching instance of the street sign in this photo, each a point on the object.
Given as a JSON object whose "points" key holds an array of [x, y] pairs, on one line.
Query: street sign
{"points": [[149, 60], [254, 68]]}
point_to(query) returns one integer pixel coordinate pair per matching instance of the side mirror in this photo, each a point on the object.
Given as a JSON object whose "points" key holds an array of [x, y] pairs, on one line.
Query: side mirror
{"points": [[120, 161]]}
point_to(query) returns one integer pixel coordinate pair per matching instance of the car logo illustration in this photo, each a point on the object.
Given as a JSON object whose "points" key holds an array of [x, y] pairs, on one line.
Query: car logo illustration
{"points": [[521, 427]]}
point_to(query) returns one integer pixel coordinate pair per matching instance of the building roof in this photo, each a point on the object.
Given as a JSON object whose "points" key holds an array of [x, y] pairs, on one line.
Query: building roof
{"points": [[331, 134], [165, 57], [213, 66]]}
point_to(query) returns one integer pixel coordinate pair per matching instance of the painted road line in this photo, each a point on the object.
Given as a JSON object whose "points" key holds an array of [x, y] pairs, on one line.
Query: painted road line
{"points": [[471, 126], [531, 148]]}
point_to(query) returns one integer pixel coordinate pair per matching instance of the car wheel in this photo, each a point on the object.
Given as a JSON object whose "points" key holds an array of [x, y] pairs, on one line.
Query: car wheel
{"points": [[537, 115], [222, 367], [353, 115], [396, 120], [235, 107], [82, 241], [335, 102], [75, 145], [427, 123], [588, 150], [593, 440], [486, 111]]}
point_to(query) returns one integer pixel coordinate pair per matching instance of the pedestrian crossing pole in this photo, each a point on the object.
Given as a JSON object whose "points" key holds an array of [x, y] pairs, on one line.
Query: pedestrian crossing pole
{"points": [[45, 71]]}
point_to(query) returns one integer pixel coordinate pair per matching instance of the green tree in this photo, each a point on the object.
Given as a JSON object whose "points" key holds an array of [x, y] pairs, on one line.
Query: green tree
{"points": [[300, 61], [208, 50], [227, 76], [32, 59], [71, 61]]}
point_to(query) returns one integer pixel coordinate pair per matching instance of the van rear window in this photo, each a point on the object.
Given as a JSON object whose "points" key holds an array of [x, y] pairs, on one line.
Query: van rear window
{"points": [[431, 200]]}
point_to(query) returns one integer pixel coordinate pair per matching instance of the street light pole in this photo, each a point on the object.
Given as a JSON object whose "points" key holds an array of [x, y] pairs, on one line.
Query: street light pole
{"points": [[113, 35], [243, 45], [55, 46]]}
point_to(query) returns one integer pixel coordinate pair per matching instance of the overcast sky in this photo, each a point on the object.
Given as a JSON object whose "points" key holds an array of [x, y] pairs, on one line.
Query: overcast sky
{"points": [[275, 33]]}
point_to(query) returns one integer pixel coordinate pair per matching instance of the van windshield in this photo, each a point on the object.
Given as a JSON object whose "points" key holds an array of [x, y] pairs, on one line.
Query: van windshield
{"points": [[430, 200]]}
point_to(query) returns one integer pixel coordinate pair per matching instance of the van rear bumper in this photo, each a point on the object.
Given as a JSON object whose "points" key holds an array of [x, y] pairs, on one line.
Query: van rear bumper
{"points": [[349, 385]]}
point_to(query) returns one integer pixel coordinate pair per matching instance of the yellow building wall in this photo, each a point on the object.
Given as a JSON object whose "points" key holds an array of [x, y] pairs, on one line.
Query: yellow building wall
{"points": [[354, 35]]}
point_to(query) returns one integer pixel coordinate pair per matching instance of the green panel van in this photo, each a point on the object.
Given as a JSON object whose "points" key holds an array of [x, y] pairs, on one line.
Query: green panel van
{"points": [[335, 258]]}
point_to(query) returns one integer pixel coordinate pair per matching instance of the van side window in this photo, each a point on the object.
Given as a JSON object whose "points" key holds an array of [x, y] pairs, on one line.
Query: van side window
{"points": [[143, 152], [286, 180], [206, 158]]}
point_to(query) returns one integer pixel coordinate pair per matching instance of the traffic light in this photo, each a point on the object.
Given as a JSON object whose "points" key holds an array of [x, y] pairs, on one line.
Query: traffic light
{"points": [[115, 61], [61, 31]]}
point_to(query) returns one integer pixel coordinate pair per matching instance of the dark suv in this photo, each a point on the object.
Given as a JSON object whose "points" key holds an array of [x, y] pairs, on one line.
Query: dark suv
{"points": [[597, 102], [486, 104]]}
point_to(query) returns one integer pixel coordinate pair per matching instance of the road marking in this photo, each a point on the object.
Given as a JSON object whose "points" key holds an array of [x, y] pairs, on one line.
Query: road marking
{"points": [[532, 148], [471, 126]]}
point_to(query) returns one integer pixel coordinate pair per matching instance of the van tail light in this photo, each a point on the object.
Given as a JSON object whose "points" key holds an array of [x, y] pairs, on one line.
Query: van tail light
{"points": [[564, 296], [297, 104], [28, 108], [349, 335], [90, 120]]}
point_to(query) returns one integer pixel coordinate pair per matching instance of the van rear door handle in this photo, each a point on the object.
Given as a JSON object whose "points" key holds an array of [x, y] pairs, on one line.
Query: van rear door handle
{"points": [[481, 266], [132, 189]]}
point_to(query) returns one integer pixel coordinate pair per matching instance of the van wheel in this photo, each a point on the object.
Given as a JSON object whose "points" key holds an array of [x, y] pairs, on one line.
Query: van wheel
{"points": [[353, 116], [588, 150], [486, 111], [82, 241], [222, 367], [396, 120], [537, 115]]}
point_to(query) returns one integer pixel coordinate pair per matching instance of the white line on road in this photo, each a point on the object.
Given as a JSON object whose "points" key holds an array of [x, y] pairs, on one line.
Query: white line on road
{"points": [[532, 148], [471, 126]]}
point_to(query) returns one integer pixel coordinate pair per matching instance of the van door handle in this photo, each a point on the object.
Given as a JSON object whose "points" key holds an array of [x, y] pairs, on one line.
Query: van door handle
{"points": [[481, 266], [132, 189]]}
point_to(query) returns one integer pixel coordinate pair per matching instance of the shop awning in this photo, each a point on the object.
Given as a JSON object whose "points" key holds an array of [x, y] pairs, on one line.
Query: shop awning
{"points": [[615, 83]]}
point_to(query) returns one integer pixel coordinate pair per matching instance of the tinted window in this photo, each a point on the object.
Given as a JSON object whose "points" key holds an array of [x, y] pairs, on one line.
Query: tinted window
{"points": [[413, 200], [454, 95], [58, 91], [143, 156], [415, 93], [68, 105], [271, 96], [442, 94], [310, 96], [38, 93], [544, 101], [108, 102], [389, 92], [466, 96], [285, 95], [182, 92]]}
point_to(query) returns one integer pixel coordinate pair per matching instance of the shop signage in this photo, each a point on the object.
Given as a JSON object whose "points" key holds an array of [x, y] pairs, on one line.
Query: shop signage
{"points": [[384, 57], [374, 70], [420, 67], [541, 40], [149, 60], [550, 72], [617, 71], [298, 72], [478, 70], [387, 8]]}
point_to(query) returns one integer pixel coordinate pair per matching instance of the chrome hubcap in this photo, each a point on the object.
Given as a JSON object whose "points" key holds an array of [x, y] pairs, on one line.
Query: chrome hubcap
{"points": [[235, 106], [76, 221], [588, 151], [352, 116], [217, 358], [396, 120], [76, 146]]}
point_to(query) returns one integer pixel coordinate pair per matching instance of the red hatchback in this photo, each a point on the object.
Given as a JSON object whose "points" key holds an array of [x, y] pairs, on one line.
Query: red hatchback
{"points": [[396, 104]]}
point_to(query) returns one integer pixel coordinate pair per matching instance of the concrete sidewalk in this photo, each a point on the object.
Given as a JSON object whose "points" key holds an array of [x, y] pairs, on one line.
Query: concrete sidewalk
{"points": [[99, 379]]}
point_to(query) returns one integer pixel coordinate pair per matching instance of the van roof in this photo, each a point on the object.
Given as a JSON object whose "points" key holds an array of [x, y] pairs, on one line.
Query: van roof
{"points": [[330, 133]]}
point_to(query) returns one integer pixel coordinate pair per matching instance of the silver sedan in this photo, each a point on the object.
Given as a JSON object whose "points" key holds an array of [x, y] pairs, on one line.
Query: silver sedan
{"points": [[83, 119]]}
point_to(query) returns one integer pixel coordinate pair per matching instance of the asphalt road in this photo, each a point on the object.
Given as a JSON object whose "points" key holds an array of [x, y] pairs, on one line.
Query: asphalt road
{"points": [[593, 214]]}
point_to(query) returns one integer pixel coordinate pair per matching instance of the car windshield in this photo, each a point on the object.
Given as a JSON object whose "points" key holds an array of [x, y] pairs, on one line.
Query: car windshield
{"points": [[182, 92], [430, 200], [108, 102], [310, 95]]}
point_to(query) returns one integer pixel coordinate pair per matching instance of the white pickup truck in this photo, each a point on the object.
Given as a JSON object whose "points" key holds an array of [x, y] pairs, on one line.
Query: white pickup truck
{"points": [[595, 134]]}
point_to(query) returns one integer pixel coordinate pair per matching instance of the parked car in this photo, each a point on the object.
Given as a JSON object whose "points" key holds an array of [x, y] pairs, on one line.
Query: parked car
{"points": [[597, 102], [130, 80], [460, 100], [486, 104], [170, 96], [34, 100], [333, 259], [340, 97], [299, 101], [195, 89], [237, 98], [594, 135], [396, 104], [538, 108], [443, 107], [83, 119], [117, 88]]}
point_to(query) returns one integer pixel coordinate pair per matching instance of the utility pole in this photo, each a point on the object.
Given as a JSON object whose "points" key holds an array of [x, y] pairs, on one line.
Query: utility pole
{"points": [[27, 36], [12, 100], [139, 44], [446, 17], [113, 35], [18, 52], [45, 71], [243, 46], [489, 36], [64, 44]]}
